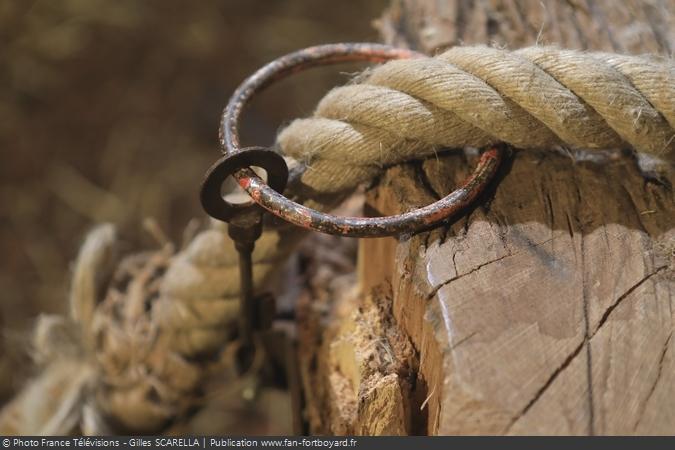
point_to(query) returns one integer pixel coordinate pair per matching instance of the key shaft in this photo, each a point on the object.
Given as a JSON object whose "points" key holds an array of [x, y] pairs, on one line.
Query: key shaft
{"points": [[244, 229]]}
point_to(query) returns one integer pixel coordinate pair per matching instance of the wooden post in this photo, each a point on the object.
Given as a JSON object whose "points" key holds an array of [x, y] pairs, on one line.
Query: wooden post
{"points": [[547, 309]]}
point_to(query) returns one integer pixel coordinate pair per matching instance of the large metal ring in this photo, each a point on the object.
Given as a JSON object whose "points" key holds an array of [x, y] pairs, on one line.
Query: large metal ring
{"points": [[277, 204]]}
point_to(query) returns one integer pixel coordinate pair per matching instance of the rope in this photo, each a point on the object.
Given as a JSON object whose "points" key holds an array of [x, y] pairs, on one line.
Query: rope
{"points": [[166, 313], [537, 97]]}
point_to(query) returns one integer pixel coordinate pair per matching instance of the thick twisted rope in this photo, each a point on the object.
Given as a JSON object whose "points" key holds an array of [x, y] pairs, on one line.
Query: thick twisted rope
{"points": [[148, 355], [537, 97]]}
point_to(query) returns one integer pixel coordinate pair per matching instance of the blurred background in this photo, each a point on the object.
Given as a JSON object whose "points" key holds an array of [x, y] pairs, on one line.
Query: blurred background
{"points": [[109, 111]]}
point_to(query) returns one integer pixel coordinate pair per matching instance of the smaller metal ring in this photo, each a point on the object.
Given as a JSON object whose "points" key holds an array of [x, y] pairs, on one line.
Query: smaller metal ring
{"points": [[210, 194]]}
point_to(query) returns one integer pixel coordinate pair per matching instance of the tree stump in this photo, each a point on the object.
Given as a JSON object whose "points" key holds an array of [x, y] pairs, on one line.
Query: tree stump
{"points": [[547, 309]]}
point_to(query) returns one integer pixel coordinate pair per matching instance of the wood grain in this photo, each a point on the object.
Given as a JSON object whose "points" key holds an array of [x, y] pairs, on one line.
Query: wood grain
{"points": [[548, 309]]}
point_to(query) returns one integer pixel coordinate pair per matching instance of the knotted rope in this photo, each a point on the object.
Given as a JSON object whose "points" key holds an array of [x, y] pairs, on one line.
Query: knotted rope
{"points": [[152, 333]]}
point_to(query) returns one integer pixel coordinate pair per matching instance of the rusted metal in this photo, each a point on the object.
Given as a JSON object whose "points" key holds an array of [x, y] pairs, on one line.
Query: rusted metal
{"points": [[245, 227], [245, 221], [410, 222], [274, 202], [293, 63], [210, 193]]}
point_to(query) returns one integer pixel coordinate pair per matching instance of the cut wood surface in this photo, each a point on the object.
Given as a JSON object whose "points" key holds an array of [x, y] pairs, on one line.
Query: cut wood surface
{"points": [[545, 310], [548, 309]]}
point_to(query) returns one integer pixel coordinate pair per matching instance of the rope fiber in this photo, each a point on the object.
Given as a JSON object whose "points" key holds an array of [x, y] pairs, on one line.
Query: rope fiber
{"points": [[150, 336], [537, 97]]}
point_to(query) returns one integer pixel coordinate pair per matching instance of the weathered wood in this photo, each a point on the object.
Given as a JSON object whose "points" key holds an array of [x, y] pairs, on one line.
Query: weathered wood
{"points": [[548, 309], [633, 26], [358, 366]]}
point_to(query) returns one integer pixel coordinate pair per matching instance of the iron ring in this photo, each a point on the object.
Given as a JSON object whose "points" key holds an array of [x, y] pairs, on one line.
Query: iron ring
{"points": [[274, 202]]}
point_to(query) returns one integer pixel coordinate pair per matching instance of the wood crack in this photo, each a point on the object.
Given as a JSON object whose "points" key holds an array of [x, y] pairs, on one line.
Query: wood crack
{"points": [[589, 356], [464, 339], [435, 289], [546, 385], [656, 382]]}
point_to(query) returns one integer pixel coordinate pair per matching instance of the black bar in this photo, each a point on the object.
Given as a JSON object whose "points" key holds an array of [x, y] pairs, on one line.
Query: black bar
{"points": [[355, 442]]}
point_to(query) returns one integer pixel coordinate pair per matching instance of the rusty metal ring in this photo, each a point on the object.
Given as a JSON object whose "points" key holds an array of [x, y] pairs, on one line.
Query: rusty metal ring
{"points": [[210, 196], [302, 216]]}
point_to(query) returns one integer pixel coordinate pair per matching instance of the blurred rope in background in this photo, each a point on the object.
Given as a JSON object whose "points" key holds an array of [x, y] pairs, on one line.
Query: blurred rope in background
{"points": [[109, 111]]}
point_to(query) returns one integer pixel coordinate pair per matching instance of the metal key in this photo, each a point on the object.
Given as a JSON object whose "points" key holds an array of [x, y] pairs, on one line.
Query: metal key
{"points": [[245, 224], [244, 229]]}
